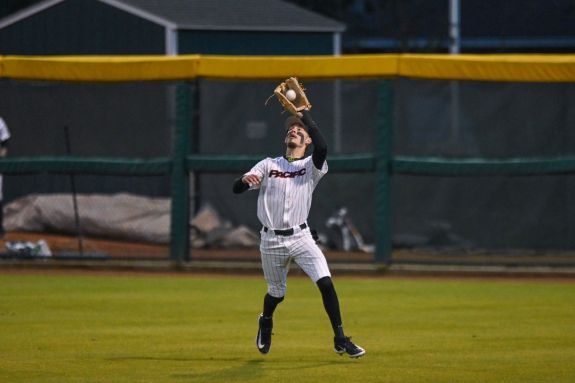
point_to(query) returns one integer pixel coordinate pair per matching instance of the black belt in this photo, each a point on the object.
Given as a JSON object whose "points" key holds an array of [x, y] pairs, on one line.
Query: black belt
{"points": [[286, 232]]}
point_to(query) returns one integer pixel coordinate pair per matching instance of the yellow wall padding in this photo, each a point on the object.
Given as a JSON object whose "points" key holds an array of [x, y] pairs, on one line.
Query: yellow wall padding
{"points": [[275, 67], [100, 68], [516, 68]]}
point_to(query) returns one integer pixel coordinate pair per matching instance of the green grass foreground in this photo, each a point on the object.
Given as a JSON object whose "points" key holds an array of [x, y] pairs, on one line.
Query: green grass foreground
{"points": [[190, 328]]}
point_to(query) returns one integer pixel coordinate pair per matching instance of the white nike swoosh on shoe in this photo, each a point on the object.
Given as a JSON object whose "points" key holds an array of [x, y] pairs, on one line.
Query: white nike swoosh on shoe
{"points": [[359, 354], [258, 341]]}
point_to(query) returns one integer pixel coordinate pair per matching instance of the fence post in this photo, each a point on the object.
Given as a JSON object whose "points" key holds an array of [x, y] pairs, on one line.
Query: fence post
{"points": [[384, 152], [180, 179]]}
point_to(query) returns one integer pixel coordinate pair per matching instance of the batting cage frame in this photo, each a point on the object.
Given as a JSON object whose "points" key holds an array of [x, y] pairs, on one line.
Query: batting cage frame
{"points": [[382, 163]]}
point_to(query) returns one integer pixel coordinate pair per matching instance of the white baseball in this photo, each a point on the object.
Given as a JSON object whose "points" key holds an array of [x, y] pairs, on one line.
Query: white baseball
{"points": [[290, 94]]}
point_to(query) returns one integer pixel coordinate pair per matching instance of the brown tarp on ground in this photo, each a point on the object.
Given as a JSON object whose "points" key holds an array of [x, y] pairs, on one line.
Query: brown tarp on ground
{"points": [[120, 216]]}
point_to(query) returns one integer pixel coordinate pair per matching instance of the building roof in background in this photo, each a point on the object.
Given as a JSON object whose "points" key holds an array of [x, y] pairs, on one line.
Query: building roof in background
{"points": [[230, 15], [266, 15]]}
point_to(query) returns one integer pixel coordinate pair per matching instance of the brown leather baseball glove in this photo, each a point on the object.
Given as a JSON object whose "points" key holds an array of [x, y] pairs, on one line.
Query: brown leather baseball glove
{"points": [[299, 103]]}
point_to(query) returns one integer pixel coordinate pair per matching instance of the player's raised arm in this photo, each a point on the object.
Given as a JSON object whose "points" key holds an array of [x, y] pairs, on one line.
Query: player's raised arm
{"points": [[319, 145]]}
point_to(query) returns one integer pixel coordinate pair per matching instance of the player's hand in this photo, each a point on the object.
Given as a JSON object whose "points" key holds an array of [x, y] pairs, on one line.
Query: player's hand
{"points": [[252, 180]]}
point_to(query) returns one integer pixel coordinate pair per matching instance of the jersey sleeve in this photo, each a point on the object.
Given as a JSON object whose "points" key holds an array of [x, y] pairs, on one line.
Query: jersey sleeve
{"points": [[260, 170], [319, 144], [317, 174]]}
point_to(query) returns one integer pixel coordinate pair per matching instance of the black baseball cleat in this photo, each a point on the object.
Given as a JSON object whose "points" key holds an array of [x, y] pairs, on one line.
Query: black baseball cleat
{"points": [[264, 338], [344, 345]]}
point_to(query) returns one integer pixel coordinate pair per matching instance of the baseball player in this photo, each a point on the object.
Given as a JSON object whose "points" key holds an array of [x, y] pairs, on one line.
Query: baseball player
{"points": [[286, 185]]}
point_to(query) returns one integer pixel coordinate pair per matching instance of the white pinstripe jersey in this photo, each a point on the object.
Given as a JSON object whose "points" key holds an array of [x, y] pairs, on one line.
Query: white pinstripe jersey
{"points": [[286, 190]]}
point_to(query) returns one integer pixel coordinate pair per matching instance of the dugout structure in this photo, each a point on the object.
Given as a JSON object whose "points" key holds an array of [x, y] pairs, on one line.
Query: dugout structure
{"points": [[393, 76]]}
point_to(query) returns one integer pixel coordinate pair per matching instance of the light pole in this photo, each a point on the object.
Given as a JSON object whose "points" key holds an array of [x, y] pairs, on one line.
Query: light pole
{"points": [[454, 48]]}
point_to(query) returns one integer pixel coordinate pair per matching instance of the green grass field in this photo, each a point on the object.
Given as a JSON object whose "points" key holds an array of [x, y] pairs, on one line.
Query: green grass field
{"points": [[186, 328]]}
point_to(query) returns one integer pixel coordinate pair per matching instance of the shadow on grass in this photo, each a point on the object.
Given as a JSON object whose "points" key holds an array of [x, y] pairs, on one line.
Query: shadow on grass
{"points": [[250, 370], [174, 359]]}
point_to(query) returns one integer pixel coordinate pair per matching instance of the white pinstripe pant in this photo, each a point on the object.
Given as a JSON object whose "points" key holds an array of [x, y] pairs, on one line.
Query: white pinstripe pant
{"points": [[277, 253]]}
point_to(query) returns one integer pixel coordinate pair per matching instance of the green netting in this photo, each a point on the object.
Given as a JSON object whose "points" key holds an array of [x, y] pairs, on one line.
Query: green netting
{"points": [[467, 165]]}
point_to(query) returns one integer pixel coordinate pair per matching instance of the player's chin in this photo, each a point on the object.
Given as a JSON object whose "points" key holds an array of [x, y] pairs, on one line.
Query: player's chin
{"points": [[291, 144]]}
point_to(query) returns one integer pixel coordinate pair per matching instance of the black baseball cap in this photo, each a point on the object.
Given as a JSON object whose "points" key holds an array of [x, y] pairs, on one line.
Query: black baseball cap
{"points": [[294, 120]]}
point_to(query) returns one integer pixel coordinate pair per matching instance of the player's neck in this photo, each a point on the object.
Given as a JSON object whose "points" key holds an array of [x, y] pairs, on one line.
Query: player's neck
{"points": [[298, 152]]}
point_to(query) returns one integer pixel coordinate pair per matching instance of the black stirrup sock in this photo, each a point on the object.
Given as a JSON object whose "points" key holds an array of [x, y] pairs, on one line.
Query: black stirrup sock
{"points": [[270, 304], [331, 304]]}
